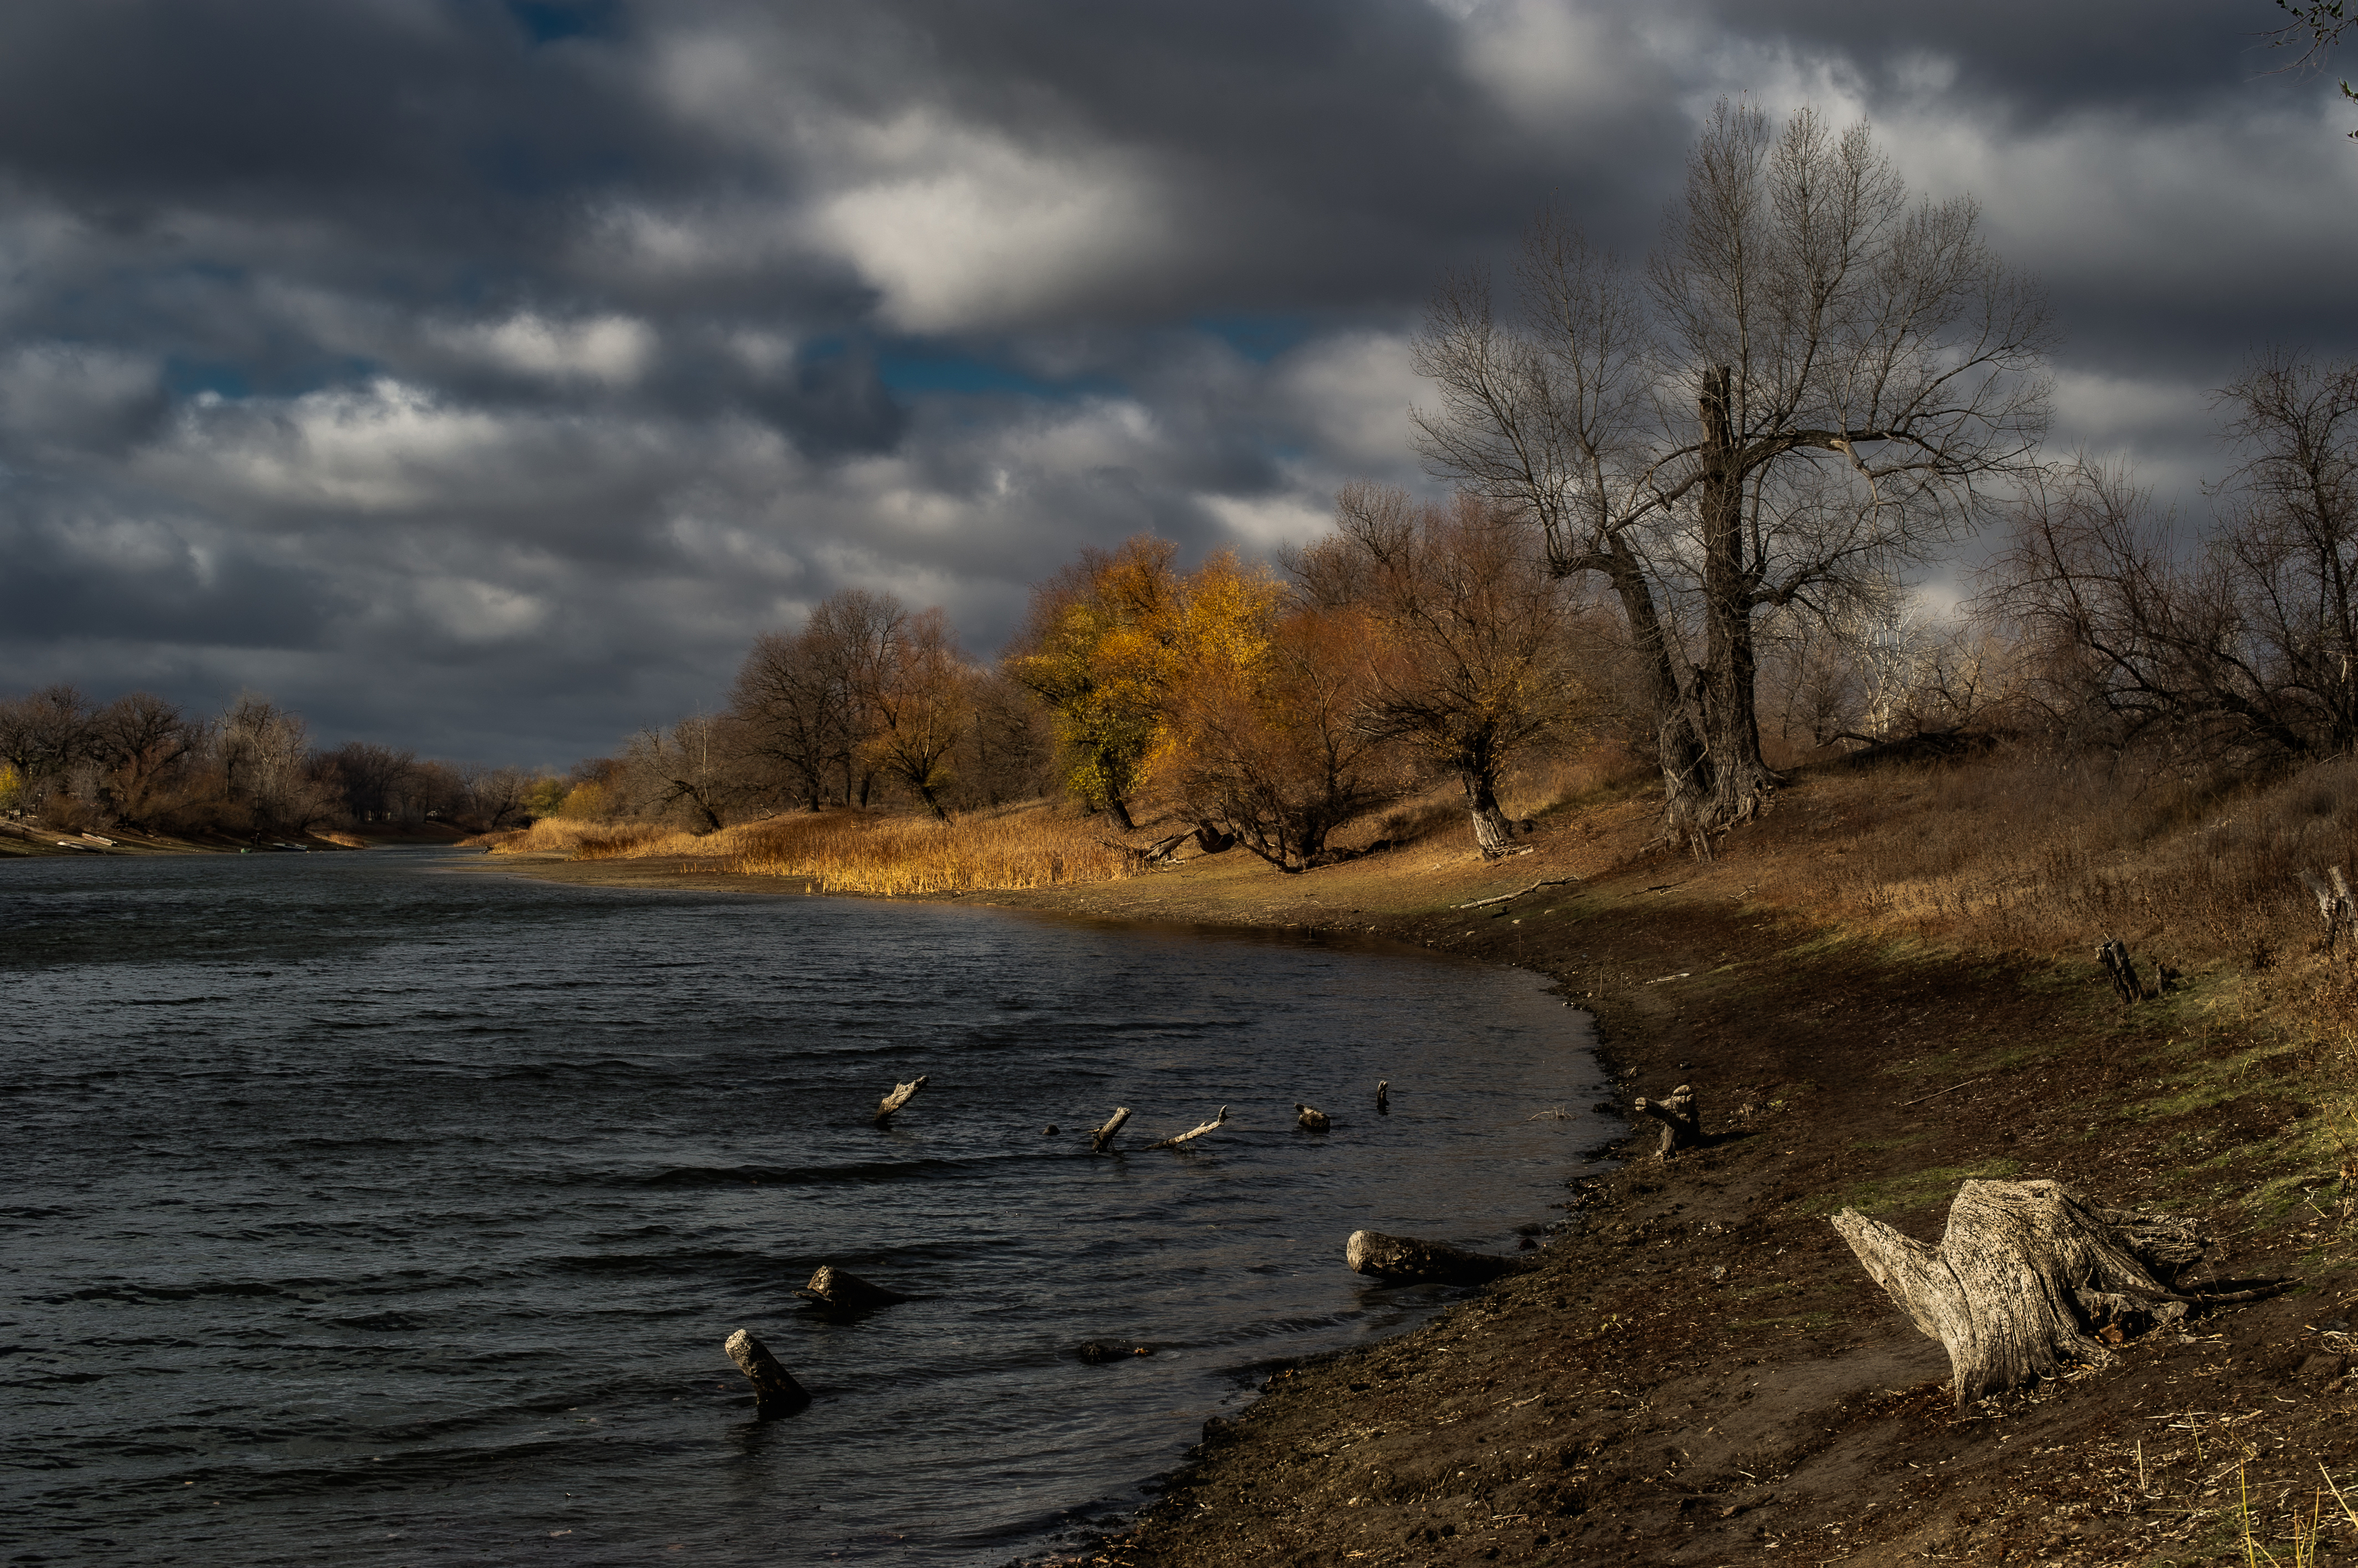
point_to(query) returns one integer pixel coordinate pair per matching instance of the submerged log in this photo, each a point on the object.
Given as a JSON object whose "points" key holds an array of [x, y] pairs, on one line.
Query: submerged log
{"points": [[2028, 1276], [1407, 1261], [1096, 1352], [1102, 1138], [1681, 1122], [775, 1392], [1311, 1119], [901, 1095], [1173, 1141], [845, 1291]]}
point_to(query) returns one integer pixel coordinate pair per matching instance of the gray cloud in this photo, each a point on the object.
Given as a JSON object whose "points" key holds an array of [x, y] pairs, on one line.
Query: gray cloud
{"points": [[482, 378]]}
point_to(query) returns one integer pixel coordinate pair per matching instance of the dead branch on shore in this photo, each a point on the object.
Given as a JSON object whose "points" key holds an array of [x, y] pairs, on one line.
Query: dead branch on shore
{"points": [[1506, 897]]}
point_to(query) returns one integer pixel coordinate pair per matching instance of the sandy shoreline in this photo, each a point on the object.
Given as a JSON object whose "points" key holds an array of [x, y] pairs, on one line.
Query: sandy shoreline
{"points": [[1699, 1372]]}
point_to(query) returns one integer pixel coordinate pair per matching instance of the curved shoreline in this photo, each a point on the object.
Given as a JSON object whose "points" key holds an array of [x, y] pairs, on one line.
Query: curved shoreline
{"points": [[1698, 1371]]}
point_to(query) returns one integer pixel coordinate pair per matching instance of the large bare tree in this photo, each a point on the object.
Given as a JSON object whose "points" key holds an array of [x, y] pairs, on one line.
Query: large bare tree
{"points": [[1810, 385]]}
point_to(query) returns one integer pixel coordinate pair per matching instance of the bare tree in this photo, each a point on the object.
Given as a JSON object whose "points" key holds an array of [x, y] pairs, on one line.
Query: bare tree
{"points": [[1806, 391], [1476, 668], [690, 768], [42, 734], [918, 689], [2244, 642], [792, 707], [143, 742], [2315, 26]]}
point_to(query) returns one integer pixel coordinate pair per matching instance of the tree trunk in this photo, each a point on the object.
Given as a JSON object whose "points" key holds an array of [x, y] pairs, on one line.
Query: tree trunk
{"points": [[2026, 1275], [1677, 744], [1120, 810], [1492, 831], [775, 1392], [1407, 1261], [838, 1288], [1682, 1121], [901, 1095], [1740, 781]]}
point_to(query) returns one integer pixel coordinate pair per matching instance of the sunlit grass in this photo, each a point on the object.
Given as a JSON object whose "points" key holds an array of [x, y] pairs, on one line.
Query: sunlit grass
{"points": [[861, 852]]}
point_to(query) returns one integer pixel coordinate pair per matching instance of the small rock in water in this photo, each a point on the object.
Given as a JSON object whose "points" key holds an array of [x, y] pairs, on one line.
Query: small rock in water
{"points": [[1098, 1350]]}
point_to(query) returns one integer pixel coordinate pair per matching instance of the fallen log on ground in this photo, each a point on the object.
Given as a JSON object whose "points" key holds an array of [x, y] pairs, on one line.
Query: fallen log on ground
{"points": [[1681, 1122], [1505, 897], [1177, 1139], [845, 1291], [1102, 1138], [775, 1392], [901, 1095], [1311, 1119], [1404, 1260], [2030, 1276]]}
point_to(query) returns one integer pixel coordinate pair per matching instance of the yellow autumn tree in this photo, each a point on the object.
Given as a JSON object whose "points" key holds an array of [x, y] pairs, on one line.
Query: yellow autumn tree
{"points": [[1108, 639]]}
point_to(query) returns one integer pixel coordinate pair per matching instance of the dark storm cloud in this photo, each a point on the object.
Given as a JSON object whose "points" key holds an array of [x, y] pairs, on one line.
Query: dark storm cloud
{"points": [[481, 376]]}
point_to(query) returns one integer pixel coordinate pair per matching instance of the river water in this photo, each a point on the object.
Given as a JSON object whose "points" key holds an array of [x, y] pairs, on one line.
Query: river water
{"points": [[369, 1210]]}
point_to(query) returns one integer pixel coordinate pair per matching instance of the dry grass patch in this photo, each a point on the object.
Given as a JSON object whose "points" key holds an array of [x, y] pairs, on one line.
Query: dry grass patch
{"points": [[858, 852]]}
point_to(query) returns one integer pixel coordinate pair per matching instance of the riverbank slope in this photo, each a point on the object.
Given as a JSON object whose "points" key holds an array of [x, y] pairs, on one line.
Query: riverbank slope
{"points": [[1877, 991]]}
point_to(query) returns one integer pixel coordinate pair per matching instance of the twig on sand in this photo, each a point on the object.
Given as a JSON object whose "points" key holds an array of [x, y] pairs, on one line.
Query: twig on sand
{"points": [[1936, 1094], [1504, 897]]}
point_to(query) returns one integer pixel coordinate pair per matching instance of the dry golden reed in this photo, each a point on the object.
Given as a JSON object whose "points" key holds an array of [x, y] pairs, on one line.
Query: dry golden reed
{"points": [[857, 852]]}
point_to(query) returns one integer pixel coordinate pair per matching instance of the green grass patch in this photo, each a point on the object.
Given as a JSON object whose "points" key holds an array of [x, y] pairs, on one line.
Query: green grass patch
{"points": [[1916, 1189]]}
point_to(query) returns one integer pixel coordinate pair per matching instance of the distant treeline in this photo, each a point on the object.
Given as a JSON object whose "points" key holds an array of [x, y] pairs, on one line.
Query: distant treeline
{"points": [[140, 762]]}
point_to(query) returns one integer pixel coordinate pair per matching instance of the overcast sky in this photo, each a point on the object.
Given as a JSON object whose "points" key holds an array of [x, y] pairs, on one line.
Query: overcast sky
{"points": [[482, 378]]}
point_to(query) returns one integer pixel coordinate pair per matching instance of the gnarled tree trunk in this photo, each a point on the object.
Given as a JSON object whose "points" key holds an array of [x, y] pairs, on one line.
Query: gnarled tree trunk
{"points": [[1682, 1119], [775, 1392], [2025, 1278]]}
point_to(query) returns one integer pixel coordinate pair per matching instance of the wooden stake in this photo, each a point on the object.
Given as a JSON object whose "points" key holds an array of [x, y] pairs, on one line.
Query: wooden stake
{"points": [[1102, 1138], [1174, 1142], [901, 1095], [841, 1289], [1383, 1097], [1407, 1261], [1681, 1122], [775, 1392]]}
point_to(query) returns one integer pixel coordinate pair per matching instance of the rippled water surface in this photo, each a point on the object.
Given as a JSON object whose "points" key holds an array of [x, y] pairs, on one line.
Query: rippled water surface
{"points": [[366, 1209]]}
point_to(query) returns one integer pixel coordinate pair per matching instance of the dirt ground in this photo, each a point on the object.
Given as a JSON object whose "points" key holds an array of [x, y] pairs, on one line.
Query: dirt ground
{"points": [[1698, 1371]]}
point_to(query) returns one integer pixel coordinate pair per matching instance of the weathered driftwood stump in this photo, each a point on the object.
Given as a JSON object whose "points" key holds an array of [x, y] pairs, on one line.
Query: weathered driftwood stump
{"points": [[775, 1392], [1681, 1122], [2028, 1276], [901, 1095], [845, 1291], [2113, 957], [1406, 1259], [2335, 906], [1383, 1097], [1194, 1132], [1311, 1119], [1102, 1138]]}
